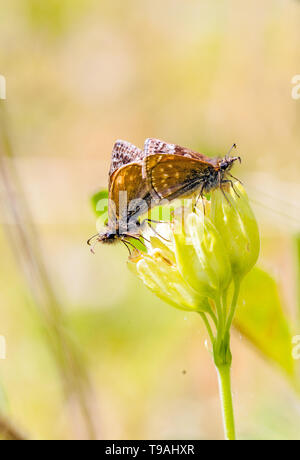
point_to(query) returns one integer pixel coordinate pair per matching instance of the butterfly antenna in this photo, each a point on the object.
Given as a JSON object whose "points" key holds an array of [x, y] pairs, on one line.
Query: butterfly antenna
{"points": [[89, 241], [234, 146], [93, 246]]}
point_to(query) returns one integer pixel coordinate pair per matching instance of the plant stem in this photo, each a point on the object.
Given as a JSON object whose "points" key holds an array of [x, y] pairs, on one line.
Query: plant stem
{"points": [[236, 292], [226, 401], [209, 330], [222, 355], [221, 319]]}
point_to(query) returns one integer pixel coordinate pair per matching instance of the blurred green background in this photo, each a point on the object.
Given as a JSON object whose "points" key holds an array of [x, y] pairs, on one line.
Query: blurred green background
{"points": [[90, 352]]}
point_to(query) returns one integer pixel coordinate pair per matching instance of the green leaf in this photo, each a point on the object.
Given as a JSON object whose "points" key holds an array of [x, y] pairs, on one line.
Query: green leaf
{"points": [[100, 206], [99, 203], [260, 317]]}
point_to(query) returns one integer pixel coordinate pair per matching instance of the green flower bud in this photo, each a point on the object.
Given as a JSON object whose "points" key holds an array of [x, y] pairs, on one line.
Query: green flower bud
{"points": [[201, 256], [158, 270], [235, 221], [192, 267]]}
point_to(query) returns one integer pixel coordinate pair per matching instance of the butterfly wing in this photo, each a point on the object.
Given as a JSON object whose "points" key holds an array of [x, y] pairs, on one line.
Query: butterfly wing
{"points": [[123, 153], [156, 146], [172, 176], [128, 188]]}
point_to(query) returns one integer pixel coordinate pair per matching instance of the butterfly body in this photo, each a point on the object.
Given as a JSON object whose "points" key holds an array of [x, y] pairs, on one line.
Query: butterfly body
{"points": [[112, 236], [107, 237]]}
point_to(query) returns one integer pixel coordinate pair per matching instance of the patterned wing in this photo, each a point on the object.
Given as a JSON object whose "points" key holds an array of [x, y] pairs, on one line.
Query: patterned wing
{"points": [[123, 153], [127, 188], [155, 146], [172, 176]]}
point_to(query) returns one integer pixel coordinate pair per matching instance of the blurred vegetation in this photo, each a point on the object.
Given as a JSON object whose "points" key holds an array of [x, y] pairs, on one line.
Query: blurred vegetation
{"points": [[261, 318], [81, 74], [297, 261]]}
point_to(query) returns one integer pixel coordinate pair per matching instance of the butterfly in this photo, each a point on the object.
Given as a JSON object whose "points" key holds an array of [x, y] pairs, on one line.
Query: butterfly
{"points": [[129, 196], [172, 171], [123, 153]]}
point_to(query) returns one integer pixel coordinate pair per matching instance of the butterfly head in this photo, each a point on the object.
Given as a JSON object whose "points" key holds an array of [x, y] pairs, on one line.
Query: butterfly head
{"points": [[106, 237], [227, 163]]}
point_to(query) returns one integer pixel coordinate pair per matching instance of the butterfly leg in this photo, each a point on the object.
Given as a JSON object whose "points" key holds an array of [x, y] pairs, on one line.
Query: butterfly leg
{"points": [[150, 222], [128, 248], [198, 198], [227, 199], [127, 244], [155, 221], [235, 178], [139, 239], [227, 181], [221, 182]]}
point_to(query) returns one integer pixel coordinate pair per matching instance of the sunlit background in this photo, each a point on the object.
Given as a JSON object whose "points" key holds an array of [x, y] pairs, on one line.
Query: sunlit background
{"points": [[90, 352]]}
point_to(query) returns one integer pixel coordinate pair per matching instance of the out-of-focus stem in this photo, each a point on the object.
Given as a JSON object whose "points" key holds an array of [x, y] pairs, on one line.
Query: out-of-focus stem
{"points": [[25, 243], [298, 272], [9, 432]]}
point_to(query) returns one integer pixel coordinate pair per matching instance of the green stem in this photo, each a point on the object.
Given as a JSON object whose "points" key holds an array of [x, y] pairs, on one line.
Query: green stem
{"points": [[222, 355], [220, 317], [209, 329], [224, 304], [226, 401], [235, 297], [213, 316]]}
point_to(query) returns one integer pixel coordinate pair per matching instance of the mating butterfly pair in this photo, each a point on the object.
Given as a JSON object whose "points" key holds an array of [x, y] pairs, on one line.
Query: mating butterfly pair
{"points": [[161, 171]]}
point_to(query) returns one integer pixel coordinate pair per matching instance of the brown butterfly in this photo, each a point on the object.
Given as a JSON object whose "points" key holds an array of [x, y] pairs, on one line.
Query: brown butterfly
{"points": [[174, 172], [123, 153], [129, 196]]}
